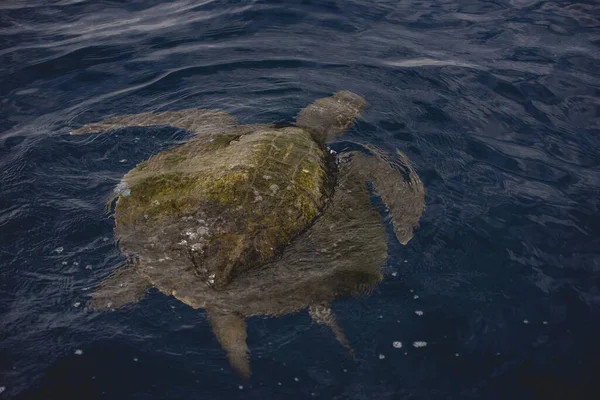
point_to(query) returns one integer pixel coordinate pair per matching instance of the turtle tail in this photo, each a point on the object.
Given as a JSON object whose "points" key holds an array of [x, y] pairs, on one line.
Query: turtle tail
{"points": [[330, 116]]}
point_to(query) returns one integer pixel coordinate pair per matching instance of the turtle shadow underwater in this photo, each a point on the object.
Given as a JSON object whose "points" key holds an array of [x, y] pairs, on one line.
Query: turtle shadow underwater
{"points": [[247, 220]]}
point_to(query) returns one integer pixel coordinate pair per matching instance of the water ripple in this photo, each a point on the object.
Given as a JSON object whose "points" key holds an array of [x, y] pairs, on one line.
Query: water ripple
{"points": [[496, 103]]}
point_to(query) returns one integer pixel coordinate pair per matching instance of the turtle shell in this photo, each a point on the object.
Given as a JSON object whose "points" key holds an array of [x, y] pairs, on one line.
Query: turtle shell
{"points": [[222, 205]]}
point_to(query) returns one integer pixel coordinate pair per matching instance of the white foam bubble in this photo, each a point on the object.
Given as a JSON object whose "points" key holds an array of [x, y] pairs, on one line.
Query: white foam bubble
{"points": [[59, 250], [2, 389], [525, 321], [76, 304], [78, 352], [397, 345], [419, 343], [419, 312], [381, 356], [296, 379], [416, 296]]}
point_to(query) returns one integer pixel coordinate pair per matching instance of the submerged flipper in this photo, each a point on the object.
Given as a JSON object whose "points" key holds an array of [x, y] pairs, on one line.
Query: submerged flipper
{"points": [[125, 286], [199, 121], [399, 186], [230, 331], [321, 314], [330, 116]]}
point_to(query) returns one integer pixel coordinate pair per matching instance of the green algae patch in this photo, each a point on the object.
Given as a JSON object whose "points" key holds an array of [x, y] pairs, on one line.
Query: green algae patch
{"points": [[257, 193], [277, 195], [156, 196], [176, 181], [229, 188]]}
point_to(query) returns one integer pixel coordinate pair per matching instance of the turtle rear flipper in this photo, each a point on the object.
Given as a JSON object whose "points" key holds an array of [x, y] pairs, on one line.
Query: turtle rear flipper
{"points": [[230, 330], [399, 186], [123, 287], [323, 315], [330, 116], [197, 120]]}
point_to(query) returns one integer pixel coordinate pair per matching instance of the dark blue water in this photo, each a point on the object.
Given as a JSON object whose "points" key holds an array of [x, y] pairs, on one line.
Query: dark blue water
{"points": [[496, 102]]}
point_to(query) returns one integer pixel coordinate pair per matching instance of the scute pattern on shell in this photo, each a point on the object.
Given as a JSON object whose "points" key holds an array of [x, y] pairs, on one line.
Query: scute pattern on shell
{"points": [[224, 204]]}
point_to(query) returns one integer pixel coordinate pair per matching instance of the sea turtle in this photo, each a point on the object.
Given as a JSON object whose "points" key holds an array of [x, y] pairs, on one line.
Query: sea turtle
{"points": [[245, 220]]}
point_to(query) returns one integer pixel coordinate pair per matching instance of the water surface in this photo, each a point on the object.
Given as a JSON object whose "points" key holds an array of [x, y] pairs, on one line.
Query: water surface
{"points": [[495, 102]]}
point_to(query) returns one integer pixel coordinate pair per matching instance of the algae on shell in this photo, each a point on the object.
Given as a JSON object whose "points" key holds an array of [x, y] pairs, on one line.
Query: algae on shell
{"points": [[221, 188]]}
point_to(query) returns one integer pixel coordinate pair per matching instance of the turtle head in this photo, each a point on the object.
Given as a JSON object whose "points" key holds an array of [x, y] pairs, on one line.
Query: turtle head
{"points": [[329, 117]]}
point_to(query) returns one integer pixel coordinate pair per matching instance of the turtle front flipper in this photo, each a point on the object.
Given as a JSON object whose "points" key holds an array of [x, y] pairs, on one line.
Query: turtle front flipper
{"points": [[123, 287], [323, 315], [230, 330], [395, 180], [199, 121]]}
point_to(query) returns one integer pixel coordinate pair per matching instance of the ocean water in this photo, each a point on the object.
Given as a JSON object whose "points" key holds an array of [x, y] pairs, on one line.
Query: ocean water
{"points": [[497, 103]]}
